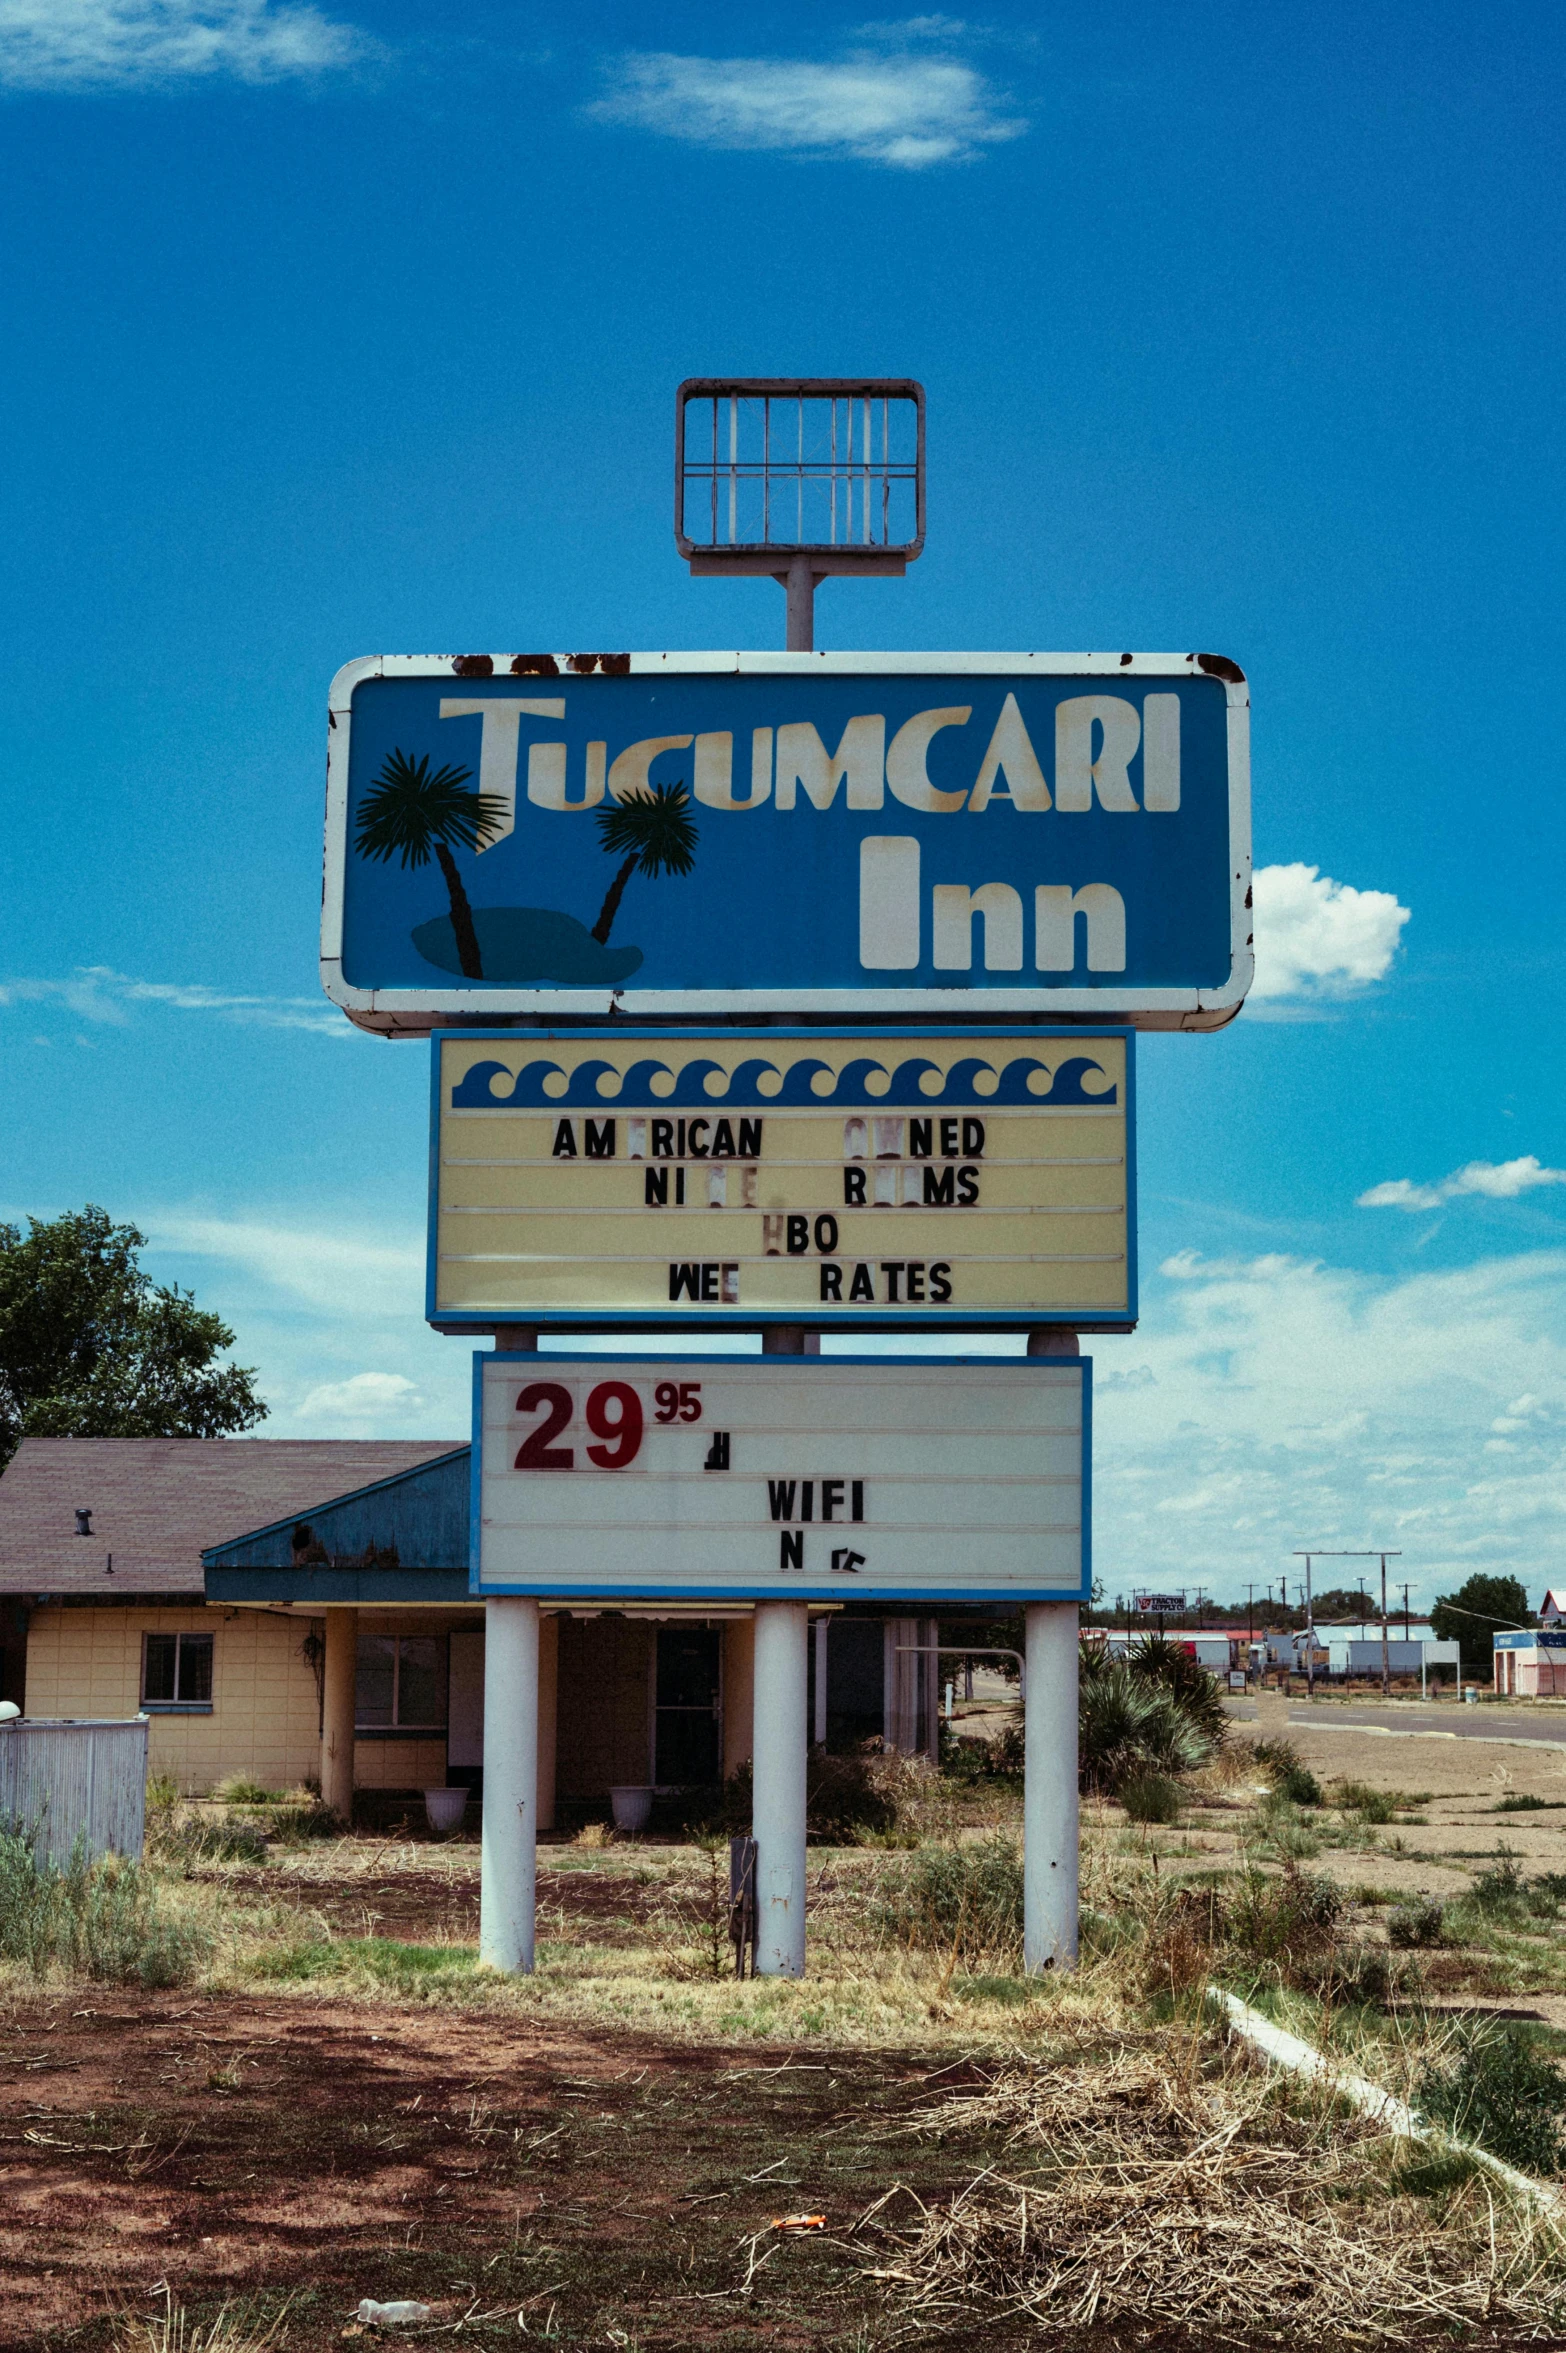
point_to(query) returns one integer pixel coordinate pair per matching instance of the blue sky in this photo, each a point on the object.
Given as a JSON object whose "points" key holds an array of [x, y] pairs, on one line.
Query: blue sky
{"points": [[337, 330]]}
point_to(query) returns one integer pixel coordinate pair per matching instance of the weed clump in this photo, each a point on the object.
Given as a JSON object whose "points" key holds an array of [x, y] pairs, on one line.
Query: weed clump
{"points": [[852, 1797], [963, 1899], [1151, 1797], [1290, 1777], [105, 1920], [187, 1841], [1500, 1889], [1415, 1927], [1282, 1830], [1283, 1919], [968, 1760], [1371, 1805], [1501, 2092]]}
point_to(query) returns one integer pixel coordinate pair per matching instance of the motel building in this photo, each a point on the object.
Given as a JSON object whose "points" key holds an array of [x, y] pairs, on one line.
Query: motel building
{"points": [[298, 1610]]}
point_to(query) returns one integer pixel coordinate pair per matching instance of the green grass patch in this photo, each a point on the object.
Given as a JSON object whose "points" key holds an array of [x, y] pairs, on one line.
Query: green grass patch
{"points": [[109, 1920], [1007, 1993], [1502, 2092], [385, 1960]]}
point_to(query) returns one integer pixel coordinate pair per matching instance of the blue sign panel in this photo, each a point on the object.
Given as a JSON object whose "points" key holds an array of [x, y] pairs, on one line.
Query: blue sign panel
{"points": [[873, 835]]}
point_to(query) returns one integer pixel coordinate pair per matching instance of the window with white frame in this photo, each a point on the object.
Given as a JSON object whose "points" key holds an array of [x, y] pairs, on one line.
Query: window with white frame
{"points": [[401, 1683], [176, 1672]]}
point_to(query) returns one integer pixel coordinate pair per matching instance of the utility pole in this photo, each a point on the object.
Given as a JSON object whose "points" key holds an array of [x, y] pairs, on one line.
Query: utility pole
{"points": [[1405, 1612], [1383, 1557]]}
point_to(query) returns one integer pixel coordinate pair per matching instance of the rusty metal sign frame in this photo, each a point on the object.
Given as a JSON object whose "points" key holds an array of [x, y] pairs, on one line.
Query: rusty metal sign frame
{"points": [[867, 554]]}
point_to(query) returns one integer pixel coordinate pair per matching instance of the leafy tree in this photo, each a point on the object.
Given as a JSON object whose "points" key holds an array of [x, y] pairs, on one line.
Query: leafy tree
{"points": [[1344, 1604], [409, 813], [654, 829], [1482, 1607], [91, 1347]]}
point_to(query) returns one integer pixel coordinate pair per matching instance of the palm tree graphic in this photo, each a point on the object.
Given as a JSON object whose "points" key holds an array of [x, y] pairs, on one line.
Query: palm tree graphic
{"points": [[409, 812], [655, 831]]}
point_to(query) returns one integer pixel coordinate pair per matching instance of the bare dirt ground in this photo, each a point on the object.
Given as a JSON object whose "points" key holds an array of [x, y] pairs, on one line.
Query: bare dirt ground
{"points": [[581, 2183], [481, 2164]]}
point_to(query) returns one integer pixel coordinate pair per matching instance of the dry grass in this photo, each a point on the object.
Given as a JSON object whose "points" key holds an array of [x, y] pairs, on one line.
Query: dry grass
{"points": [[236, 2327], [1161, 2181]]}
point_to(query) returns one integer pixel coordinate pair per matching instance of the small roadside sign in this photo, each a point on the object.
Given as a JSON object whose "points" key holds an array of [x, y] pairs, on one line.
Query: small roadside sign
{"points": [[776, 1479], [957, 1178], [811, 836]]}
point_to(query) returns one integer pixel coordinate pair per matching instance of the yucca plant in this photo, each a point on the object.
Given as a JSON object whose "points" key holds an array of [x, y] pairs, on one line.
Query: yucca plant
{"points": [[410, 813], [1128, 1724], [653, 834]]}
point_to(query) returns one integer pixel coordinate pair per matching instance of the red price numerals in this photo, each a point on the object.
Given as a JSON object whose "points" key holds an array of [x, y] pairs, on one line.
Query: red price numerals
{"points": [[614, 1417], [677, 1401]]}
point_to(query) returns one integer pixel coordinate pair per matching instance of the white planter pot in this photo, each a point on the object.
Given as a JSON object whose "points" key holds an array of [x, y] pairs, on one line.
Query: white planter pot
{"points": [[632, 1803]]}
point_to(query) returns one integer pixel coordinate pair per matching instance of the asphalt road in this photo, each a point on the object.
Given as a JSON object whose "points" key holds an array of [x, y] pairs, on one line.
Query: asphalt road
{"points": [[1454, 1719]]}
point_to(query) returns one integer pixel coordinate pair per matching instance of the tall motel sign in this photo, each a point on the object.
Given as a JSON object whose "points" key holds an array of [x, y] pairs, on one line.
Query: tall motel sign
{"points": [[795, 993]]}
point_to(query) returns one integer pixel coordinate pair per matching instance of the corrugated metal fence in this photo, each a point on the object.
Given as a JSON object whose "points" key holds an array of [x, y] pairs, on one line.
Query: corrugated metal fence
{"points": [[64, 1781]]}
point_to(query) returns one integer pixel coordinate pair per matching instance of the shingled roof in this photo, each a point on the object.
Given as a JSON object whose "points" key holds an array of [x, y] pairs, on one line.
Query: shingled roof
{"points": [[157, 1503]]}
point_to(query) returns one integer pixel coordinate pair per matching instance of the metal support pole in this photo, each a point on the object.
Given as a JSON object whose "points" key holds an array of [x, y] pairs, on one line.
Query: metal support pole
{"points": [[790, 1340], [800, 585], [509, 1866], [1050, 1813], [778, 1809], [819, 1728]]}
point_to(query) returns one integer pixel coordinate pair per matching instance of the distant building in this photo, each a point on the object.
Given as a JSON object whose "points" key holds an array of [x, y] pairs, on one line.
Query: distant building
{"points": [[1531, 1665]]}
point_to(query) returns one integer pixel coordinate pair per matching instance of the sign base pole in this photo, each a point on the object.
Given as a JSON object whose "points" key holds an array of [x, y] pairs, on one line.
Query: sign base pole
{"points": [[1050, 1810], [509, 1870], [780, 1740]]}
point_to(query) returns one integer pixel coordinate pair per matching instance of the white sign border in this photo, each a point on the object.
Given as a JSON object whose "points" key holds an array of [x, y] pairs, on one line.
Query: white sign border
{"points": [[415, 1012], [615, 1593]]}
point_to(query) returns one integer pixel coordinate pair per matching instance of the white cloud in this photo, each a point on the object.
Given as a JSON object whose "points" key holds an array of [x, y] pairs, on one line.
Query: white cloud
{"points": [[904, 111], [1297, 1403], [129, 44], [1492, 1180], [1189, 1266], [95, 992], [1316, 938], [363, 1402], [335, 1270]]}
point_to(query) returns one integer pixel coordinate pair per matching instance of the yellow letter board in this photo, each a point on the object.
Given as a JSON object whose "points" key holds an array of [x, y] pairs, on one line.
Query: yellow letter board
{"points": [[735, 1178]]}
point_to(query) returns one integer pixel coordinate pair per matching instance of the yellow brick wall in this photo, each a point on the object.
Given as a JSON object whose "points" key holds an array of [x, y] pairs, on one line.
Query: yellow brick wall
{"points": [[265, 1720]]}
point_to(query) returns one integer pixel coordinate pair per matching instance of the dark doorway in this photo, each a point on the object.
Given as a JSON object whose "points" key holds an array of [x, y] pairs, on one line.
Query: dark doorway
{"points": [[685, 1747], [856, 1681]]}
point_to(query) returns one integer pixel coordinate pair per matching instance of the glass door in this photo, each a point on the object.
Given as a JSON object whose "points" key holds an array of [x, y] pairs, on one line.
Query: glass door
{"points": [[687, 1712]]}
